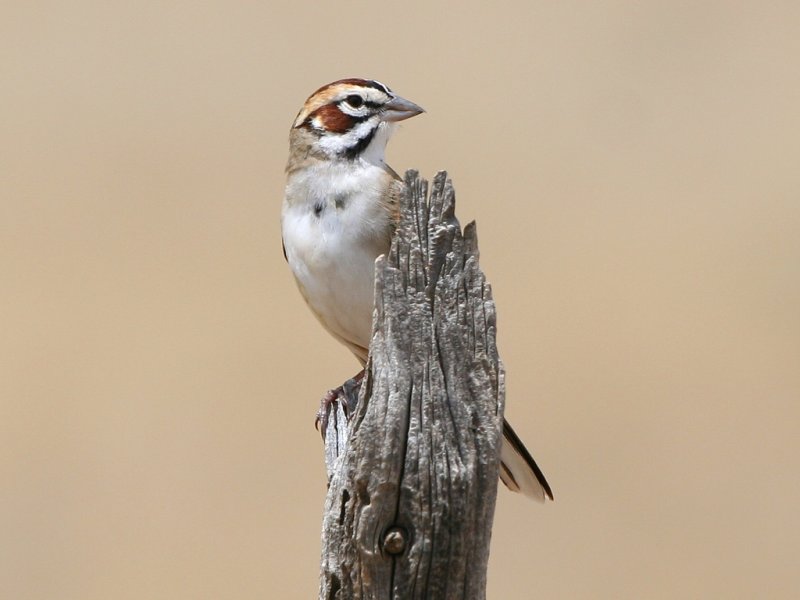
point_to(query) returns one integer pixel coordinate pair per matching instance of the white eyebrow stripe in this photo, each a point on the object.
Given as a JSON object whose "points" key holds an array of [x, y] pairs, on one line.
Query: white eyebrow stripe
{"points": [[376, 96], [338, 91], [385, 87]]}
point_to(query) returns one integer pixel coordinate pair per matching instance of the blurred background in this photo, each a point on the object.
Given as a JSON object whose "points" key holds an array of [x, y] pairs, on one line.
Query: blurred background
{"points": [[633, 169]]}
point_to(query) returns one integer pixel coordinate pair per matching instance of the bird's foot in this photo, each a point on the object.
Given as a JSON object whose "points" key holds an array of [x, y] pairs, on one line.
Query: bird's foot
{"points": [[346, 396]]}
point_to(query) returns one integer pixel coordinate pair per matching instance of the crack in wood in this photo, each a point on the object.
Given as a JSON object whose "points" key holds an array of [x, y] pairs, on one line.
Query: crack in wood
{"points": [[420, 453]]}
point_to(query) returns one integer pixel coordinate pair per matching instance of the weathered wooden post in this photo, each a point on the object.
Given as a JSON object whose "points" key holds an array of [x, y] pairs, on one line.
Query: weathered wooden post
{"points": [[413, 475]]}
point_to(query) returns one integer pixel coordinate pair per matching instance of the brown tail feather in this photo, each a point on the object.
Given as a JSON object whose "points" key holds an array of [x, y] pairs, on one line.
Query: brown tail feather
{"points": [[519, 448]]}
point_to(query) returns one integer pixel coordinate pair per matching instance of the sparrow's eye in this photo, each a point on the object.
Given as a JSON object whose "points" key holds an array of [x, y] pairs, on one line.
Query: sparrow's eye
{"points": [[355, 100]]}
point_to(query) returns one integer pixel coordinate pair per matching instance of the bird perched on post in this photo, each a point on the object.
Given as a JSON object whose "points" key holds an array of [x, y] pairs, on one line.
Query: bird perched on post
{"points": [[339, 212]]}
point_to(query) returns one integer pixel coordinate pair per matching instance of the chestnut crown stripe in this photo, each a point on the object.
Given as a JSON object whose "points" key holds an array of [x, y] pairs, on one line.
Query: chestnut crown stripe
{"points": [[371, 83], [368, 93]]}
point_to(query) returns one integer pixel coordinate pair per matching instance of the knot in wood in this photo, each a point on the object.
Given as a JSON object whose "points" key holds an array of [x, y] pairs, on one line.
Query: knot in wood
{"points": [[394, 540]]}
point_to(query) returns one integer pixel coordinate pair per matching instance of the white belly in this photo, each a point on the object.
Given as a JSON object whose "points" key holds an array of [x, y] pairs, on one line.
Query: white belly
{"points": [[331, 244]]}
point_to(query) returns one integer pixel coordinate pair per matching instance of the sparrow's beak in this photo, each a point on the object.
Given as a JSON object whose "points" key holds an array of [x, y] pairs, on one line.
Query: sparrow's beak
{"points": [[398, 109]]}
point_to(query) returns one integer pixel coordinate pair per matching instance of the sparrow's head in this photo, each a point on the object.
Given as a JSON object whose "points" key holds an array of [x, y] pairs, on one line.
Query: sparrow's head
{"points": [[351, 119]]}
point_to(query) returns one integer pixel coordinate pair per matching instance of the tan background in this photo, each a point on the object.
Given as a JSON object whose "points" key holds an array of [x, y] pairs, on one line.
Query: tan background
{"points": [[633, 168]]}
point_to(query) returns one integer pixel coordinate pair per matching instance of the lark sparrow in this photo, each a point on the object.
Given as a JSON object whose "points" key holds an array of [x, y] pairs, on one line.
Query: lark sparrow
{"points": [[339, 211]]}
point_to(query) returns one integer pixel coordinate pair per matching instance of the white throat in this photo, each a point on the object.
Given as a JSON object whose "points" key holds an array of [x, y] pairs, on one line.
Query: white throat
{"points": [[375, 153], [337, 145]]}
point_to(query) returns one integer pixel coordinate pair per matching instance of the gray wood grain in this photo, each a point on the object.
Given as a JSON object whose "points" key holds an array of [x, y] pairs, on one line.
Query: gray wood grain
{"points": [[413, 474]]}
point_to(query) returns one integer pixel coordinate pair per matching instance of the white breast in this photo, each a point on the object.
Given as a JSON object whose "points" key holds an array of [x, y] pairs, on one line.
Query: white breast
{"points": [[334, 227]]}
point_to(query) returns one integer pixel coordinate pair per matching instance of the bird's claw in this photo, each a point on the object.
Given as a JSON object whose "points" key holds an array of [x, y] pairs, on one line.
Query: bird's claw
{"points": [[346, 395], [331, 397]]}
